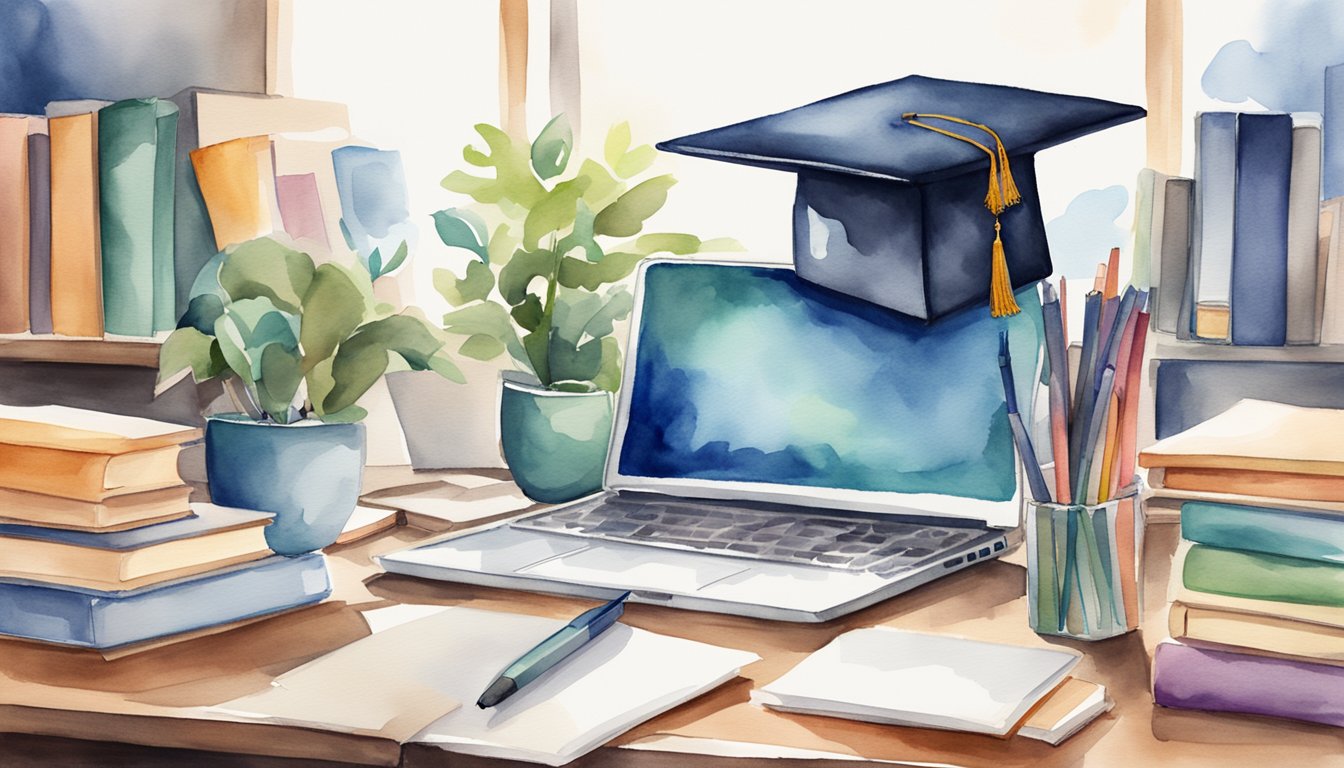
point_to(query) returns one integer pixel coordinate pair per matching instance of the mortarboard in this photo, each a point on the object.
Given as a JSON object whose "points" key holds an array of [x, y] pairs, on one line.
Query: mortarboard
{"points": [[908, 191]]}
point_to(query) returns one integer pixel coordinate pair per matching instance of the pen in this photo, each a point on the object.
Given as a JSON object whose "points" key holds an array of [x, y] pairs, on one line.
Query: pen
{"points": [[552, 651], [1035, 480]]}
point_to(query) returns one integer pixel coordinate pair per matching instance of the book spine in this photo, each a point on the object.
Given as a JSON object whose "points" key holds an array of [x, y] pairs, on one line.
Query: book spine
{"points": [[230, 175], [165, 297], [1259, 293], [13, 224], [1325, 235], [1333, 135], [1218, 681], [39, 612], [193, 238], [1332, 319], [76, 261], [268, 586], [1304, 212], [1306, 535], [1147, 205], [1259, 576], [1215, 192], [1173, 305], [1259, 632], [68, 474], [39, 232], [126, 141]]}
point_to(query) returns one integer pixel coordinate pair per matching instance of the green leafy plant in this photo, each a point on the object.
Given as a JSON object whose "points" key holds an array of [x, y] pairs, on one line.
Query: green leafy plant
{"points": [[550, 250], [305, 341]]}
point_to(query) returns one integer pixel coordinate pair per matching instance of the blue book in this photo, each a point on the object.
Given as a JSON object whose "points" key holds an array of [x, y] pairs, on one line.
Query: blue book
{"points": [[211, 538], [1215, 185], [90, 618], [1259, 294], [1333, 135], [1289, 532]]}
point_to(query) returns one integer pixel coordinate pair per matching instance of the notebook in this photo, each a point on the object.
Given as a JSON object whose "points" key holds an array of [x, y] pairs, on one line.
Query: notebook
{"points": [[896, 677], [417, 681], [780, 451]]}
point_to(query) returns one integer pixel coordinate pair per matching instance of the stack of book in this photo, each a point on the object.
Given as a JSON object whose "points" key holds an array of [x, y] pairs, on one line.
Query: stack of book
{"points": [[1257, 617], [108, 211], [101, 548]]}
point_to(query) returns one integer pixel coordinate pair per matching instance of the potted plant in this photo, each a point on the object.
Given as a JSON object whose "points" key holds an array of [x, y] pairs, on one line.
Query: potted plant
{"points": [[551, 240], [297, 345]]}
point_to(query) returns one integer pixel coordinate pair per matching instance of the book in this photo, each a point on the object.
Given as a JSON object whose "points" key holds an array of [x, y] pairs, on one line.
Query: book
{"points": [[87, 476], [1260, 576], [1259, 286], [237, 183], [1066, 711], [1332, 313], [1186, 677], [1215, 203], [76, 258], [1325, 237], [1309, 535], [136, 140], [14, 223], [39, 227], [1332, 179], [111, 514], [408, 682], [897, 677], [1282, 485], [1304, 211], [1212, 321], [366, 521], [1257, 631], [1324, 615], [211, 538], [103, 619], [1171, 299], [1256, 435], [441, 506], [1150, 208], [80, 429], [301, 209]]}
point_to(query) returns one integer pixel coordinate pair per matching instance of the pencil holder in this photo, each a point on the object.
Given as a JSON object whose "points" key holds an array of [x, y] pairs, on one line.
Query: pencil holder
{"points": [[1083, 566]]}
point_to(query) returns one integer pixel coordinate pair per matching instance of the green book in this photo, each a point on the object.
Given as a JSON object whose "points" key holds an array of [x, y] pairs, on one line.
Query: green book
{"points": [[136, 143], [1260, 576], [1294, 533]]}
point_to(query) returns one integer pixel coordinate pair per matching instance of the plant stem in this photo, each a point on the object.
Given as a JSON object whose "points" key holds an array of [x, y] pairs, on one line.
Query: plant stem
{"points": [[548, 309]]}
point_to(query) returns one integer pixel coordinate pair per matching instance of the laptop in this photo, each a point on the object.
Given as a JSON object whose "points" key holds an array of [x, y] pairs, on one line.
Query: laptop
{"points": [[780, 451]]}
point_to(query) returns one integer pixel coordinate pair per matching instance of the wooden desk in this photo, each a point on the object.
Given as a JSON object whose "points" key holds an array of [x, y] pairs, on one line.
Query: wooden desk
{"points": [[50, 697]]}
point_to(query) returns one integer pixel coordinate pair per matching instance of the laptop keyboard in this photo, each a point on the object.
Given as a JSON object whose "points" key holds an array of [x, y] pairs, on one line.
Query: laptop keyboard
{"points": [[881, 546]]}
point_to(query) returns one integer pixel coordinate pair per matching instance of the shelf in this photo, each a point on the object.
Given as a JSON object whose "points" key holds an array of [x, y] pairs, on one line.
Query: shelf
{"points": [[47, 349], [1171, 348]]}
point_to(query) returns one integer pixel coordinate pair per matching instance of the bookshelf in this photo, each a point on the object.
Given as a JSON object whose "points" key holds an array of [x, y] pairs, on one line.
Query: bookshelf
{"points": [[140, 354], [1170, 348]]}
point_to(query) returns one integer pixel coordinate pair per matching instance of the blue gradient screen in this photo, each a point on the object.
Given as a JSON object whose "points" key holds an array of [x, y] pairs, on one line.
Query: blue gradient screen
{"points": [[749, 374]]}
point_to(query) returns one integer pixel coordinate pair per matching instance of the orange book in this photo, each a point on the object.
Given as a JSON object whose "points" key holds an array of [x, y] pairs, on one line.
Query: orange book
{"points": [[76, 258], [237, 182], [13, 223], [1253, 482]]}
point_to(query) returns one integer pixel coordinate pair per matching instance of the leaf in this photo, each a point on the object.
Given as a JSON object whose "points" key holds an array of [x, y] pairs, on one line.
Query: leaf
{"points": [[281, 373], [618, 306], [345, 234], [513, 171], [481, 347], [501, 245], [446, 368], [635, 162], [246, 328], [522, 269], [528, 314], [554, 212], [626, 216], [582, 235], [320, 383], [618, 141], [537, 345], [460, 228], [571, 312], [375, 263], [265, 268], [189, 348], [667, 242], [332, 309], [570, 363], [202, 312], [347, 415], [575, 273], [398, 258], [490, 319], [458, 291], [363, 358], [608, 376], [552, 147]]}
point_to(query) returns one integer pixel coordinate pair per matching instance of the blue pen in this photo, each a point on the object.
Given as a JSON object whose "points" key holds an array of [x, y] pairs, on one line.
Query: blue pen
{"points": [[1035, 480], [552, 651]]}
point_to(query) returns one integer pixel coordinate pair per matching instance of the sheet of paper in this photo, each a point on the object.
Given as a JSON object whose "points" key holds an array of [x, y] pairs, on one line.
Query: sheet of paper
{"points": [[131, 427], [471, 481], [461, 505]]}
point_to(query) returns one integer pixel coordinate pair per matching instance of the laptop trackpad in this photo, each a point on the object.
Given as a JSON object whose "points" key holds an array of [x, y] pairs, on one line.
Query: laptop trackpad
{"points": [[634, 567]]}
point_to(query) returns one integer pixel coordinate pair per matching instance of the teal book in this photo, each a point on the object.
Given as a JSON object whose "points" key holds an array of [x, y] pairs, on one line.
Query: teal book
{"points": [[136, 143], [1292, 533], [1258, 576]]}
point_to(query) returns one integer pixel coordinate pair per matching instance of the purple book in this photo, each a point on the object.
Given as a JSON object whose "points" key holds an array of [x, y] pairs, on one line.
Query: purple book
{"points": [[1186, 677]]}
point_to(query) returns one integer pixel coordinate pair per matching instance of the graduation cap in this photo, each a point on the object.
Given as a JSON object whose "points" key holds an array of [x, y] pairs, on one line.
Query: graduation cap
{"points": [[918, 194]]}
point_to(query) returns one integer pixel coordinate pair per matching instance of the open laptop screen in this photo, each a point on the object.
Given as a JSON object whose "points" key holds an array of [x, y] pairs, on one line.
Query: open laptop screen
{"points": [[745, 377]]}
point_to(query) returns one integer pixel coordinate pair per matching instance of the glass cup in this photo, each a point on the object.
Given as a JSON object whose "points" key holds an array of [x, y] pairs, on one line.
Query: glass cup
{"points": [[1084, 566]]}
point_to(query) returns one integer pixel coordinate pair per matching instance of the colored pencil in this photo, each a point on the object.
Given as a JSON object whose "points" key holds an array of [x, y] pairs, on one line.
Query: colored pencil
{"points": [[1032, 467], [1056, 348], [1112, 275]]}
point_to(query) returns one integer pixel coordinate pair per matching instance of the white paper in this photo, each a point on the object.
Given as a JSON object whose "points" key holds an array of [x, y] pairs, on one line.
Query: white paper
{"points": [[130, 427], [462, 505]]}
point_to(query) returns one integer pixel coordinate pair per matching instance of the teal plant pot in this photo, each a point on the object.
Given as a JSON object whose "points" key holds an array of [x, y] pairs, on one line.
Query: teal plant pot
{"points": [[308, 474], [555, 443]]}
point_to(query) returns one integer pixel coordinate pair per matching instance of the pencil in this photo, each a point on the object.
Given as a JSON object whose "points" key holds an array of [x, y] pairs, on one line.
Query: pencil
{"points": [[1064, 308], [1112, 288], [1035, 480], [1083, 388], [1108, 453], [1130, 427], [1088, 446], [1057, 353]]}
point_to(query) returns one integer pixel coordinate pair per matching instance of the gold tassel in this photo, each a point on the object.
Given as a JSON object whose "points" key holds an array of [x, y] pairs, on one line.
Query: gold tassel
{"points": [[1002, 303], [994, 197], [1010, 194]]}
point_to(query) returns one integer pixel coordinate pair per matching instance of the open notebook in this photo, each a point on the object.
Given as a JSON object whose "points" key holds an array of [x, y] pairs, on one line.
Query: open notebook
{"points": [[417, 681], [895, 677]]}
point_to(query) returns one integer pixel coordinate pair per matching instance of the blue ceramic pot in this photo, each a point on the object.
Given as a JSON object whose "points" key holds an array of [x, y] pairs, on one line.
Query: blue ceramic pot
{"points": [[308, 474], [554, 442]]}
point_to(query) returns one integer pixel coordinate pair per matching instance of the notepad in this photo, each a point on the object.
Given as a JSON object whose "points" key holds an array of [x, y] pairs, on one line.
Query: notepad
{"points": [[896, 677], [406, 682]]}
